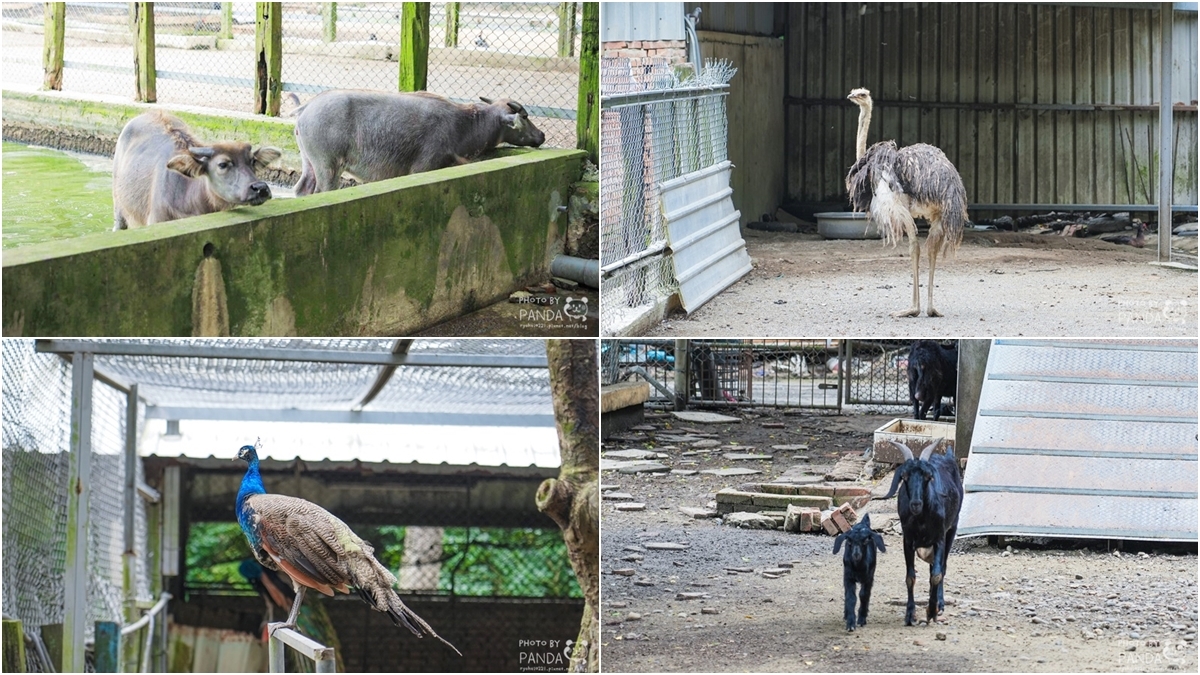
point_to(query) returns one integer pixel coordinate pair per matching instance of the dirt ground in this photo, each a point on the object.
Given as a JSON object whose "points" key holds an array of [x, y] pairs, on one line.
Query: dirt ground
{"points": [[997, 284], [1042, 606]]}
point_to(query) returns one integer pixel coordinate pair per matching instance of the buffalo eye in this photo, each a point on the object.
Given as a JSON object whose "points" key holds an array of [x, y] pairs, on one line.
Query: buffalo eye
{"points": [[223, 164]]}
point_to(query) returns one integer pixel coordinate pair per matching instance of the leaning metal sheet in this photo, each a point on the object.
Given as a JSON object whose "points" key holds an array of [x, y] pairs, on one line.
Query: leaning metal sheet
{"points": [[1085, 439]]}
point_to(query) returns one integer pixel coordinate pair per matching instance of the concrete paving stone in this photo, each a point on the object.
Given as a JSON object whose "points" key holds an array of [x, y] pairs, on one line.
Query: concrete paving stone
{"points": [[690, 596], [634, 454], [706, 443], [697, 513], [752, 521], [684, 472], [746, 456], [631, 506], [643, 467], [790, 448], [624, 572], [731, 472], [665, 546], [617, 496], [698, 417]]}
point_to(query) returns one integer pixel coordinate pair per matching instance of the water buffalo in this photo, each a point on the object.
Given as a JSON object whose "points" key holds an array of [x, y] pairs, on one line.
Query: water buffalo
{"points": [[378, 135], [161, 172]]}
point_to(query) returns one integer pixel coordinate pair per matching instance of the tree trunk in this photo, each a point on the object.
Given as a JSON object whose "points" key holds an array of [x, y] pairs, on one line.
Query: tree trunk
{"points": [[573, 499]]}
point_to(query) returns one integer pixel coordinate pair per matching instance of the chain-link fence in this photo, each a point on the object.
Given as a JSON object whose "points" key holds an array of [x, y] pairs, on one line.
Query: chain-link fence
{"points": [[205, 52], [877, 373], [37, 454], [653, 128]]}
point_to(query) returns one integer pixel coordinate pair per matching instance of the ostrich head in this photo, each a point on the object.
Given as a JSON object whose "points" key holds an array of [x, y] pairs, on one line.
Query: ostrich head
{"points": [[860, 97]]}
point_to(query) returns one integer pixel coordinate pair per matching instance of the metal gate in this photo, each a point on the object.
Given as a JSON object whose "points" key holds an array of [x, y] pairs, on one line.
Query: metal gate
{"points": [[877, 372]]}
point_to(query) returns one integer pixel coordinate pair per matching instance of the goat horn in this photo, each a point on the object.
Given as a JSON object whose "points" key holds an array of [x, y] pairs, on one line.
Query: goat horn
{"points": [[903, 449], [927, 452]]}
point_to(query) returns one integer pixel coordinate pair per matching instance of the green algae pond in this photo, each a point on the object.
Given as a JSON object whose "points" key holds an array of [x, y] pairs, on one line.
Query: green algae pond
{"points": [[51, 194]]}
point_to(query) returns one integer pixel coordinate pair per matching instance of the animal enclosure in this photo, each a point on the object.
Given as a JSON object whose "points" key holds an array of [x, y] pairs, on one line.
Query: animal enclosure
{"points": [[450, 440], [205, 53]]}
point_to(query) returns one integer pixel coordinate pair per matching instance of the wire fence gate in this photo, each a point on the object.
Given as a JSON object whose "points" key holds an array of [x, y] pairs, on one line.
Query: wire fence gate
{"points": [[801, 373], [204, 53], [655, 130]]}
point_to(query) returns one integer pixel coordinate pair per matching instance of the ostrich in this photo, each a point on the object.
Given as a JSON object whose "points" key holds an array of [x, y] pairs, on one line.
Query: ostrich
{"points": [[894, 186]]}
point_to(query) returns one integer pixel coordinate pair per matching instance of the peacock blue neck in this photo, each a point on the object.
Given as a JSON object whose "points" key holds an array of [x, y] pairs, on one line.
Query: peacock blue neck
{"points": [[251, 485]]}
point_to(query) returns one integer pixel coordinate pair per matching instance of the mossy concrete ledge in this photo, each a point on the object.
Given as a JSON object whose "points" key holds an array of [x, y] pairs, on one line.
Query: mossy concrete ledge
{"points": [[387, 258]]}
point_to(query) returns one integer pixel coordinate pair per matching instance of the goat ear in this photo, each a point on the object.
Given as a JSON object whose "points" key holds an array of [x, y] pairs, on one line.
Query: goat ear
{"points": [[837, 543], [927, 452], [895, 484], [878, 542]]}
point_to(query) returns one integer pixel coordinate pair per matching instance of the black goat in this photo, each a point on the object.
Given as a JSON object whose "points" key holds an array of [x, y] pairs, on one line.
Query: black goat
{"points": [[928, 507], [858, 566], [932, 375]]}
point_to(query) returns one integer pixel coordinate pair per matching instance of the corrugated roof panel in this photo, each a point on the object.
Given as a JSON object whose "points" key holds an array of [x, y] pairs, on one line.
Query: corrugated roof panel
{"points": [[1085, 439], [627, 21]]}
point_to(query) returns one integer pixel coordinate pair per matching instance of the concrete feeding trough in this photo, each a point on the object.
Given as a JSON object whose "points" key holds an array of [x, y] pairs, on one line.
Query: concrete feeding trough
{"points": [[916, 434], [846, 225]]}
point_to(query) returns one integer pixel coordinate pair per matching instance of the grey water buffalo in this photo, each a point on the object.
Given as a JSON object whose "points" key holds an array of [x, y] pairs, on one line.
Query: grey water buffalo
{"points": [[378, 135], [161, 172]]}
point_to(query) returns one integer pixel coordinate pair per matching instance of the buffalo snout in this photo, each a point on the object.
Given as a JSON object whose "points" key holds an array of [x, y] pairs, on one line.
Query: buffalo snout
{"points": [[259, 193]]}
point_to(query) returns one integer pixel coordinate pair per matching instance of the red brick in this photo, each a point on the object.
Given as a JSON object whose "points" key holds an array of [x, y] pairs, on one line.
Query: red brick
{"points": [[828, 525], [848, 513], [839, 521]]}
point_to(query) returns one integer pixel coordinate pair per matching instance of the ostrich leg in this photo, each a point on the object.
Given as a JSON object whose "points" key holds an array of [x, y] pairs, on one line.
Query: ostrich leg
{"points": [[914, 252], [932, 244]]}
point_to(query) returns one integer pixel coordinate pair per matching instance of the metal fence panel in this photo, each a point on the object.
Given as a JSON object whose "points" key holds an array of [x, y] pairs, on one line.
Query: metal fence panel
{"points": [[877, 372]]}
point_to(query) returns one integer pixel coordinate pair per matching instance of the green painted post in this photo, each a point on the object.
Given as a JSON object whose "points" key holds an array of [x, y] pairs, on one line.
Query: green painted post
{"points": [[14, 643], [452, 10], [414, 46], [144, 72], [587, 120], [329, 21], [52, 45], [108, 647], [268, 58], [566, 29], [226, 21]]}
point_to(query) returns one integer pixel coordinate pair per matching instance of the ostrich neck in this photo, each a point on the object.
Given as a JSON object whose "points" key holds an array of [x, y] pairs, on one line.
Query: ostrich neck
{"points": [[864, 122]]}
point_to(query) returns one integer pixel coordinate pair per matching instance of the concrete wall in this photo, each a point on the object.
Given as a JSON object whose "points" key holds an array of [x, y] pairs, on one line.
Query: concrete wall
{"points": [[755, 119], [387, 258]]}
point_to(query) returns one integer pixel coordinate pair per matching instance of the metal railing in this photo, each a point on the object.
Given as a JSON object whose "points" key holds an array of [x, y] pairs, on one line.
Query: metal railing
{"points": [[321, 656], [147, 621]]}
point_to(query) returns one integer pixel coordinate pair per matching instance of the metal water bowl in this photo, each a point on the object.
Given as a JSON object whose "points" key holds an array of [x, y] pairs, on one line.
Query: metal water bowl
{"points": [[846, 225]]}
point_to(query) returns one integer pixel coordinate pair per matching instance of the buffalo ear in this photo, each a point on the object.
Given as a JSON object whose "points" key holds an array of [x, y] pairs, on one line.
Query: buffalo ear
{"points": [[265, 155], [191, 163], [878, 542], [837, 543]]}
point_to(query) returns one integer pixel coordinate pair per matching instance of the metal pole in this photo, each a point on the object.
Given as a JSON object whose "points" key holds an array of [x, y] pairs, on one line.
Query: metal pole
{"points": [[681, 374], [129, 559], [78, 492], [1166, 130], [275, 651]]}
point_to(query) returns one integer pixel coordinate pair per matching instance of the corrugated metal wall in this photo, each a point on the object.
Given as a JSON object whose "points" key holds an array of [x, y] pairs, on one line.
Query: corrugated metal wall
{"points": [[1043, 104], [625, 21], [744, 18]]}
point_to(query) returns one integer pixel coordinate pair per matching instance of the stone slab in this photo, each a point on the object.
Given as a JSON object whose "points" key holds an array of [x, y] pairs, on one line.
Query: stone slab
{"points": [[751, 521], [617, 496], [644, 467], [634, 454], [631, 506], [699, 417], [697, 513], [731, 472], [665, 546], [746, 456]]}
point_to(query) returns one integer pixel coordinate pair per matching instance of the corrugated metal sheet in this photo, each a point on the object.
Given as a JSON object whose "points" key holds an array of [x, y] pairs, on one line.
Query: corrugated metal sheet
{"points": [[625, 21], [1090, 439], [702, 228], [743, 18], [987, 83]]}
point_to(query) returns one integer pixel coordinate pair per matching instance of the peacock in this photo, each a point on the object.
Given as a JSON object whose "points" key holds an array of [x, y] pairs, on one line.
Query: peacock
{"points": [[316, 550], [313, 620]]}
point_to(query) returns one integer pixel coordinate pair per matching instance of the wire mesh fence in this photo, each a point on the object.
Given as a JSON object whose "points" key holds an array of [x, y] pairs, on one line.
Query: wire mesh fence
{"points": [[205, 52], [786, 373], [37, 427], [653, 128], [877, 372]]}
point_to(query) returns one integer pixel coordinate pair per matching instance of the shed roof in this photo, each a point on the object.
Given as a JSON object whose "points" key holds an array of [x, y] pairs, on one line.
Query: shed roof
{"points": [[1088, 439]]}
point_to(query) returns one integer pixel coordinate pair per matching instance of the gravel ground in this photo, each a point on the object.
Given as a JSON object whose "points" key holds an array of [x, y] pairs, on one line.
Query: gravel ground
{"points": [[1042, 606], [1001, 284]]}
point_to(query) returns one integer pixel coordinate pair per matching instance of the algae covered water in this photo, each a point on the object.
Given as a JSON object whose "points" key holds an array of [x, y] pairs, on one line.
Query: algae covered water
{"points": [[51, 195]]}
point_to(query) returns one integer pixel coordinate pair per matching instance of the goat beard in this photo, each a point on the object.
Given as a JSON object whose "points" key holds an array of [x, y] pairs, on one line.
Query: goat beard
{"points": [[925, 554]]}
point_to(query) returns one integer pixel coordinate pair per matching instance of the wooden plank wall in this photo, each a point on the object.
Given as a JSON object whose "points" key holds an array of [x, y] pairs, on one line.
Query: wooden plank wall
{"points": [[968, 78]]}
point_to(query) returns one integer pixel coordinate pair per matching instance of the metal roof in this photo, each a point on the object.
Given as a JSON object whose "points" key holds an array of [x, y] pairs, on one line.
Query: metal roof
{"points": [[1086, 439]]}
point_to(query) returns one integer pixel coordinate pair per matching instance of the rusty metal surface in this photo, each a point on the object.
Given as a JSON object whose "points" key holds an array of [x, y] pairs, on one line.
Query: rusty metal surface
{"points": [[1089, 439]]}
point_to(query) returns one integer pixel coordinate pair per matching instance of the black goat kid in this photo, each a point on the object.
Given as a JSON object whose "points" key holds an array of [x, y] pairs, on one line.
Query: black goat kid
{"points": [[932, 375], [858, 566], [928, 505]]}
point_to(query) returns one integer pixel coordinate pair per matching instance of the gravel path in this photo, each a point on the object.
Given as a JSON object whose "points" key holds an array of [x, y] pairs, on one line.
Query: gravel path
{"points": [[1034, 608]]}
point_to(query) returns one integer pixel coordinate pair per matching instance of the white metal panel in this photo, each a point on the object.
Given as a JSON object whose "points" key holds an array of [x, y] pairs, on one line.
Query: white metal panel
{"points": [[628, 21], [1087, 438], [702, 228]]}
